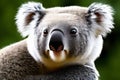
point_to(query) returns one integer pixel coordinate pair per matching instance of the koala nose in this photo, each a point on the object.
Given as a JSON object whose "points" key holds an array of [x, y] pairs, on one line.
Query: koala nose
{"points": [[56, 41]]}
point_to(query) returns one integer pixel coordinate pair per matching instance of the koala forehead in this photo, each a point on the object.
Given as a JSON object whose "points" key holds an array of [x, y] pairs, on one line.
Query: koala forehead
{"points": [[71, 15], [70, 9]]}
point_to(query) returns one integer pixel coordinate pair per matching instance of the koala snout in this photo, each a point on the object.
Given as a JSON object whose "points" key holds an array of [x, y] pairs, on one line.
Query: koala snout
{"points": [[56, 41]]}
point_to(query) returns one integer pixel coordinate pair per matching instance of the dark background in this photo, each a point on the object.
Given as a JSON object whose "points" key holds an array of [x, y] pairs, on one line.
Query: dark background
{"points": [[109, 62]]}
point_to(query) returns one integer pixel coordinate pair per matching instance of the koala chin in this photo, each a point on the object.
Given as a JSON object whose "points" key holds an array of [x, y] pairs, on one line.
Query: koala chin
{"points": [[62, 42]]}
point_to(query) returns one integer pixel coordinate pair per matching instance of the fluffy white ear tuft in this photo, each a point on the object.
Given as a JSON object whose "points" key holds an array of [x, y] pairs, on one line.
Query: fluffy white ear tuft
{"points": [[29, 13], [99, 17]]}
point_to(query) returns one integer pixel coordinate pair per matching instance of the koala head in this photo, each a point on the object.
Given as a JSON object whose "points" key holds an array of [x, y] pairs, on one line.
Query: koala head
{"points": [[64, 35]]}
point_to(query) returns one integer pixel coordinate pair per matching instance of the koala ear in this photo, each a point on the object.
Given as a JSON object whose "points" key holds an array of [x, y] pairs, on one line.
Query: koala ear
{"points": [[28, 16], [99, 18]]}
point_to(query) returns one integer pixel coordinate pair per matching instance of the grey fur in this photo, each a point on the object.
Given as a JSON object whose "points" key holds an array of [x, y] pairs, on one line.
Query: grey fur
{"points": [[17, 64], [75, 72], [80, 31]]}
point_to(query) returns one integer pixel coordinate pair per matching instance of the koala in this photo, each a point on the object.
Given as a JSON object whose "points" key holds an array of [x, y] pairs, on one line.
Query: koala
{"points": [[62, 43]]}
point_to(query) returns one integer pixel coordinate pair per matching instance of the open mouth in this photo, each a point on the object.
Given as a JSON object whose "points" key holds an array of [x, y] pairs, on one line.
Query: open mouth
{"points": [[57, 56]]}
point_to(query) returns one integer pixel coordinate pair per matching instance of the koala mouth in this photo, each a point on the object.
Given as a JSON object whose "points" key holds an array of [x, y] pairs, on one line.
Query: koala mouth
{"points": [[57, 56], [57, 52]]}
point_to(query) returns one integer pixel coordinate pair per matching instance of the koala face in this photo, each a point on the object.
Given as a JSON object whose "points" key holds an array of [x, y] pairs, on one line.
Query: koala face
{"points": [[64, 35], [60, 40]]}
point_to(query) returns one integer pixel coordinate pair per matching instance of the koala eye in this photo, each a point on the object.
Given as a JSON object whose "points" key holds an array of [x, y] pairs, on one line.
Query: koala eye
{"points": [[45, 32], [73, 31]]}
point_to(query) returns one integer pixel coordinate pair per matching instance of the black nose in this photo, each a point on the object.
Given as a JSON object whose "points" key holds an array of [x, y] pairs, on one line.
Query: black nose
{"points": [[56, 41]]}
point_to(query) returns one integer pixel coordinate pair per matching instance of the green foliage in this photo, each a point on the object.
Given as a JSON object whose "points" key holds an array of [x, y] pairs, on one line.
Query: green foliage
{"points": [[108, 64]]}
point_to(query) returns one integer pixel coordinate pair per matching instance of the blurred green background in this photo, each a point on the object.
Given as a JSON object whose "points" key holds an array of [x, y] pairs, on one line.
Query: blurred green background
{"points": [[109, 62]]}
